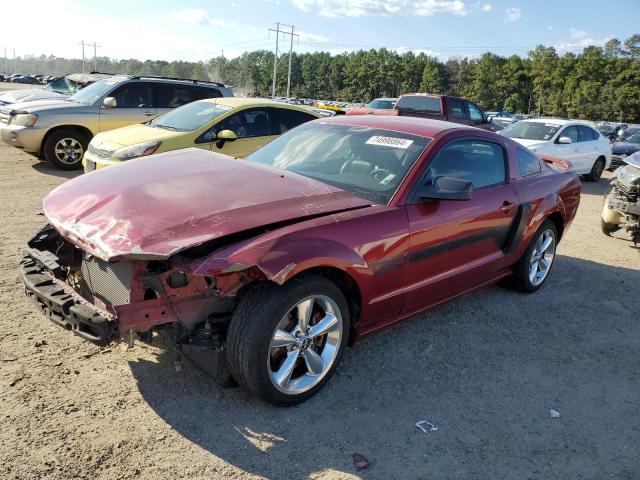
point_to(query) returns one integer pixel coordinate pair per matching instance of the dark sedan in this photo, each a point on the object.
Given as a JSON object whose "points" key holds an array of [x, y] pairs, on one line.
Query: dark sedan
{"points": [[623, 149]]}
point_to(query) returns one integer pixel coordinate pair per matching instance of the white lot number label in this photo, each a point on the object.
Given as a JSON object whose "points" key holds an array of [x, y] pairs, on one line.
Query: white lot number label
{"points": [[390, 142]]}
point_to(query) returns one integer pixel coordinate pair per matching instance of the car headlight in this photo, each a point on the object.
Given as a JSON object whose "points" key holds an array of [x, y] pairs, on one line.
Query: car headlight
{"points": [[137, 150], [629, 175], [23, 119]]}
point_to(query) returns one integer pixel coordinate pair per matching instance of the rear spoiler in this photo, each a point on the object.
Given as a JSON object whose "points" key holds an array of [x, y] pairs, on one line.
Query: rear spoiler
{"points": [[556, 163]]}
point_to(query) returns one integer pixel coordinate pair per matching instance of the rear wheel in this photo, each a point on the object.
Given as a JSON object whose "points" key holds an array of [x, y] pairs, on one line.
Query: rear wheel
{"points": [[65, 148], [596, 171], [285, 342], [534, 267]]}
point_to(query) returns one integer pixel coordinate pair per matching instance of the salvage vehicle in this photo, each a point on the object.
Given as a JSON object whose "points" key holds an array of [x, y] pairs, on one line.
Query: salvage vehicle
{"points": [[433, 106], [577, 142], [233, 126], [622, 149], [267, 268], [60, 88], [621, 205], [60, 129]]}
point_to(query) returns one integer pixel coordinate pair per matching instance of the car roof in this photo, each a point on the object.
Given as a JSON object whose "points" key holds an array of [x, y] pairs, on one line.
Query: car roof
{"points": [[235, 102], [422, 127], [557, 121]]}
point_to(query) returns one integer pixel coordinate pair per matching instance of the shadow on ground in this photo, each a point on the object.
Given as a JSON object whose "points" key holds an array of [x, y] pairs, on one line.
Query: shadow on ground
{"points": [[486, 369], [48, 169], [595, 188]]}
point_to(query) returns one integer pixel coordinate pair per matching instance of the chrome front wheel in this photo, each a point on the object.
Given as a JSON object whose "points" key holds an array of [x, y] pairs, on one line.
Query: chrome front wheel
{"points": [[305, 344], [542, 256]]}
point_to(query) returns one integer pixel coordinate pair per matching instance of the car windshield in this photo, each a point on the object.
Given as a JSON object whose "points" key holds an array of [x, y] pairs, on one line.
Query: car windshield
{"points": [[368, 162], [635, 138], [531, 130], [92, 93], [189, 117], [384, 104], [420, 103]]}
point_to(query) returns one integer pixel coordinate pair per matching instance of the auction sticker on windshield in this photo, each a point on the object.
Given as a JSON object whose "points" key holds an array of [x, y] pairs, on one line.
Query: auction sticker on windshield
{"points": [[389, 142]]}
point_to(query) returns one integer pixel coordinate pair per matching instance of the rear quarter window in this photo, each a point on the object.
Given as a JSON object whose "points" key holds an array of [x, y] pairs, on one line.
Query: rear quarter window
{"points": [[528, 163]]}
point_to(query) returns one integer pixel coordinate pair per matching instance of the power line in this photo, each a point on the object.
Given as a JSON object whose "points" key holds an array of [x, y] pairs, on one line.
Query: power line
{"points": [[95, 57]]}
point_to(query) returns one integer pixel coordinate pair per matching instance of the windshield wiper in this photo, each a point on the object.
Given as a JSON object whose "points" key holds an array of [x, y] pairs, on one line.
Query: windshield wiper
{"points": [[166, 127]]}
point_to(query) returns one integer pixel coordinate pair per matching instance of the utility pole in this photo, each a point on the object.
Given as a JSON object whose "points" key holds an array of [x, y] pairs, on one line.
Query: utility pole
{"points": [[95, 56], [15, 70], [82, 43], [275, 55], [289, 71], [5, 60]]}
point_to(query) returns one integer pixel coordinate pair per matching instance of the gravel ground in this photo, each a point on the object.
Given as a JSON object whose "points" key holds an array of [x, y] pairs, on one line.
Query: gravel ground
{"points": [[485, 369]]}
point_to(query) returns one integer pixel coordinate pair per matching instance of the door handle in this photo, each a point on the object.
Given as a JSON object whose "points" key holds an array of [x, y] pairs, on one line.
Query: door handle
{"points": [[507, 206], [148, 114], [576, 149]]}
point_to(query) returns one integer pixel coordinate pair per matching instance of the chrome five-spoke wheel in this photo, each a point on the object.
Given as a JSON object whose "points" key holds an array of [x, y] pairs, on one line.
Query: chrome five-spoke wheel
{"points": [[542, 257], [305, 344]]}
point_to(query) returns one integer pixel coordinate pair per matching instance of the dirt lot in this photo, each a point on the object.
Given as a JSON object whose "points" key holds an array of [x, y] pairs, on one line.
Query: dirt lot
{"points": [[485, 369]]}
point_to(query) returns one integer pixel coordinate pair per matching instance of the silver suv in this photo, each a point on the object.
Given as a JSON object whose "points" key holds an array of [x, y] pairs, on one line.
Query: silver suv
{"points": [[60, 130]]}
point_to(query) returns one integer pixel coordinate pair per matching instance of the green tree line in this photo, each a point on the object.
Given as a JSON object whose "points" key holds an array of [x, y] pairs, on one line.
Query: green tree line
{"points": [[598, 83]]}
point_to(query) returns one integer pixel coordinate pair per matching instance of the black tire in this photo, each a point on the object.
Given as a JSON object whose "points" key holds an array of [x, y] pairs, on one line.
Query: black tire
{"points": [[596, 171], [608, 228], [253, 324], [52, 141], [520, 280]]}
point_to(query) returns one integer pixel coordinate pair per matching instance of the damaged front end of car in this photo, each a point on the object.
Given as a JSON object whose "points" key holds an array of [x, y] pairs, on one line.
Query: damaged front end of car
{"points": [[109, 301], [621, 209]]}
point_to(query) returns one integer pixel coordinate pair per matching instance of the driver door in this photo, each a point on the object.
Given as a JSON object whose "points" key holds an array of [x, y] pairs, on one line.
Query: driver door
{"points": [[134, 104], [456, 245], [254, 127]]}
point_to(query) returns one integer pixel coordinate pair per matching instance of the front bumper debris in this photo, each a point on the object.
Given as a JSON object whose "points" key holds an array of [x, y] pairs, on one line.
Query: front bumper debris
{"points": [[60, 303]]}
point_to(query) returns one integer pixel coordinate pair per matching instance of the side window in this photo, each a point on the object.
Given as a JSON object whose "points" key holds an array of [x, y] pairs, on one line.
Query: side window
{"points": [[476, 161], [288, 119], [475, 114], [456, 107], [585, 134], [255, 122], [595, 133], [200, 93], [528, 163], [134, 95], [571, 132], [169, 96]]}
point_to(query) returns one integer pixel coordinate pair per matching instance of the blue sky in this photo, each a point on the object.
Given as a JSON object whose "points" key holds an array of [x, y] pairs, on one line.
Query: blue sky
{"points": [[198, 30]]}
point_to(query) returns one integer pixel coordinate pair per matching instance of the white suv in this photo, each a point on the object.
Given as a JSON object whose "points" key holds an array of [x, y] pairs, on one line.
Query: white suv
{"points": [[577, 142]]}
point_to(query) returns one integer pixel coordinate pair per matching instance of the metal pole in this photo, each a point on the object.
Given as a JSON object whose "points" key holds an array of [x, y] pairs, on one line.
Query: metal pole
{"points": [[82, 43], [275, 61], [95, 57], [289, 72], [5, 60], [15, 70]]}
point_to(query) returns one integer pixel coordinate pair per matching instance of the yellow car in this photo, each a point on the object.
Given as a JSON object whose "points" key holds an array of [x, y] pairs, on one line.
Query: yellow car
{"points": [[230, 125]]}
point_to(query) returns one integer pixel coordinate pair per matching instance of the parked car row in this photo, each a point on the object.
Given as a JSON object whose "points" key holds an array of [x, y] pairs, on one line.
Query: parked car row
{"points": [[20, 78], [270, 236]]}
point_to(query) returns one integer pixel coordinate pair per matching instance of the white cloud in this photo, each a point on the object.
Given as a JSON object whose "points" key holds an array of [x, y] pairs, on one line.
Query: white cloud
{"points": [[575, 33], [512, 14], [486, 7], [199, 16], [307, 37], [359, 8], [579, 44]]}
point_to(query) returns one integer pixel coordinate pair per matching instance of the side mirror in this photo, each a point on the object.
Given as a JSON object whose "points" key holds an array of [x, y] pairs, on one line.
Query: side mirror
{"points": [[224, 136], [447, 188], [564, 140], [109, 102]]}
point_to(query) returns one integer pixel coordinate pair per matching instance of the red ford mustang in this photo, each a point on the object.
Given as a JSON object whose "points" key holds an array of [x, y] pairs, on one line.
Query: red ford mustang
{"points": [[267, 268]]}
